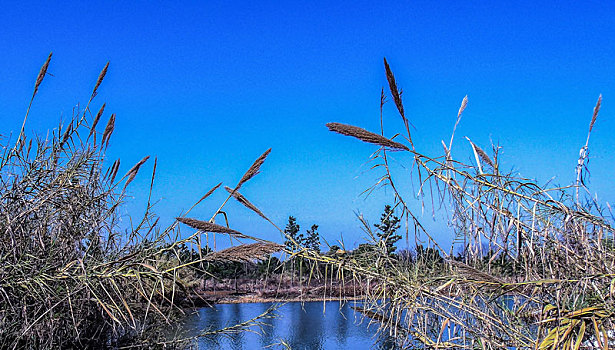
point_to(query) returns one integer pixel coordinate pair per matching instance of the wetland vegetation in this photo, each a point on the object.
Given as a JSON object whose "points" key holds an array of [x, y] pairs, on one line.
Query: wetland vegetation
{"points": [[534, 268]]}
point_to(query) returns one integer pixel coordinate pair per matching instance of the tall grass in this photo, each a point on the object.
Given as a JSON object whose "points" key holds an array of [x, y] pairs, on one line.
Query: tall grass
{"points": [[537, 270], [70, 275]]}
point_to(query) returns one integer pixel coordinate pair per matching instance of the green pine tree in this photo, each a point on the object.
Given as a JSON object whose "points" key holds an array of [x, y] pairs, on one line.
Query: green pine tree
{"points": [[312, 240], [292, 234], [389, 224]]}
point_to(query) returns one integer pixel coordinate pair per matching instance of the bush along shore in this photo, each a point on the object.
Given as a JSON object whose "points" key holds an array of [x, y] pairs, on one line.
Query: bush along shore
{"points": [[532, 266]]}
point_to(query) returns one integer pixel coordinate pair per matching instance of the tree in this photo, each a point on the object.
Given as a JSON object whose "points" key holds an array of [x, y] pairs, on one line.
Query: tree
{"points": [[312, 241], [389, 223], [292, 234], [294, 240]]}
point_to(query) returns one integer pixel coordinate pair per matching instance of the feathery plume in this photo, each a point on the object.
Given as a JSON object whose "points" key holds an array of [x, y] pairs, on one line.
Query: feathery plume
{"points": [[254, 169], [132, 173], [365, 136], [209, 227], [108, 130], [96, 119], [243, 200], [596, 110], [66, 135], [41, 74], [209, 193], [114, 169], [245, 252], [101, 76], [394, 91], [478, 152]]}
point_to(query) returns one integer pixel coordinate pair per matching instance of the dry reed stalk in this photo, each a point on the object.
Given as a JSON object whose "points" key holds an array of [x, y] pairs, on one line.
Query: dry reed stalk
{"points": [[108, 130], [254, 169], [132, 173], [96, 119], [365, 136], [245, 252], [101, 76], [209, 227], [243, 200]]}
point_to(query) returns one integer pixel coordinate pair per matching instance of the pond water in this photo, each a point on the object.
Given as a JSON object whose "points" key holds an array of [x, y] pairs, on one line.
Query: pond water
{"points": [[310, 325]]}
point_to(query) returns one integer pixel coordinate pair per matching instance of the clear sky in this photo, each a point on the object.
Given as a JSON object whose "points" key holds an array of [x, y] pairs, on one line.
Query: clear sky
{"points": [[208, 86]]}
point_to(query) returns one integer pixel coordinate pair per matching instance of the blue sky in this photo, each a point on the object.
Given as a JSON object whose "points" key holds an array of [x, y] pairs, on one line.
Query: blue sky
{"points": [[208, 86]]}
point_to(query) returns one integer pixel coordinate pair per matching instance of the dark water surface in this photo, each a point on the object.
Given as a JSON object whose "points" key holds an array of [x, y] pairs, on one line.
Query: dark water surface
{"points": [[311, 325]]}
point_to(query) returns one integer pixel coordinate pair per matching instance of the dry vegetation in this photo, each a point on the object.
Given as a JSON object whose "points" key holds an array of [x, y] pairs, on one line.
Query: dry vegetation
{"points": [[70, 276], [536, 271], [537, 267]]}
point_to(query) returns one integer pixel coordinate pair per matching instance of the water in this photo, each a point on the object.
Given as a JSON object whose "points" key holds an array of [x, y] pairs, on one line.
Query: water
{"points": [[300, 325]]}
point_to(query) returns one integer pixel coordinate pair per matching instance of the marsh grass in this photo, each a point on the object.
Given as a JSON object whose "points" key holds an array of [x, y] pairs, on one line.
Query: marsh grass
{"points": [[70, 275], [536, 269]]}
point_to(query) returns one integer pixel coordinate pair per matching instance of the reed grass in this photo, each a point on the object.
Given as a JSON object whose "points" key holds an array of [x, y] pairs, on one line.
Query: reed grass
{"points": [[536, 268], [70, 276]]}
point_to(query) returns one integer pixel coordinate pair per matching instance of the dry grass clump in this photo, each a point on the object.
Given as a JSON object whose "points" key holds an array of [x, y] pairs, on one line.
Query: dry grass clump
{"points": [[70, 276], [535, 267]]}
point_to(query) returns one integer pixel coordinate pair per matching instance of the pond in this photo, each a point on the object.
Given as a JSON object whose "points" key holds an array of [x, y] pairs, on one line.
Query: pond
{"points": [[310, 325]]}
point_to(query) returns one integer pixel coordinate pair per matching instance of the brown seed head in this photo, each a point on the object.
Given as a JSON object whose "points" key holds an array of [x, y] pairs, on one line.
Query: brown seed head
{"points": [[212, 190], [243, 200], [482, 154], [132, 173], [209, 227], [114, 169], [254, 169], [245, 252], [394, 91], [42, 73], [96, 119], [108, 130], [365, 136], [596, 110], [101, 76]]}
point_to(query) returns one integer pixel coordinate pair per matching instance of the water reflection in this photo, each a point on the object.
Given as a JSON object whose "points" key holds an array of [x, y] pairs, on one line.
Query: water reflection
{"points": [[311, 325]]}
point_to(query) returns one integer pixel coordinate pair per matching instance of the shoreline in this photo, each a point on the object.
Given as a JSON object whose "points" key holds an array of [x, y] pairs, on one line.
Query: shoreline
{"points": [[250, 299]]}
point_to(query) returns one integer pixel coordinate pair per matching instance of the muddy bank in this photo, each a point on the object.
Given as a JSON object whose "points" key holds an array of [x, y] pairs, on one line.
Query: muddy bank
{"points": [[275, 290]]}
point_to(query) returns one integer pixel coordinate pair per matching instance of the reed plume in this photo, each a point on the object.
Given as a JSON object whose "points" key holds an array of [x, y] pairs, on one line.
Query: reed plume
{"points": [[478, 152], [96, 119], [114, 169], [245, 252], [365, 136], [253, 170], [206, 226], [101, 76], [41, 74], [209, 193], [108, 130], [394, 91], [132, 173], [243, 200]]}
